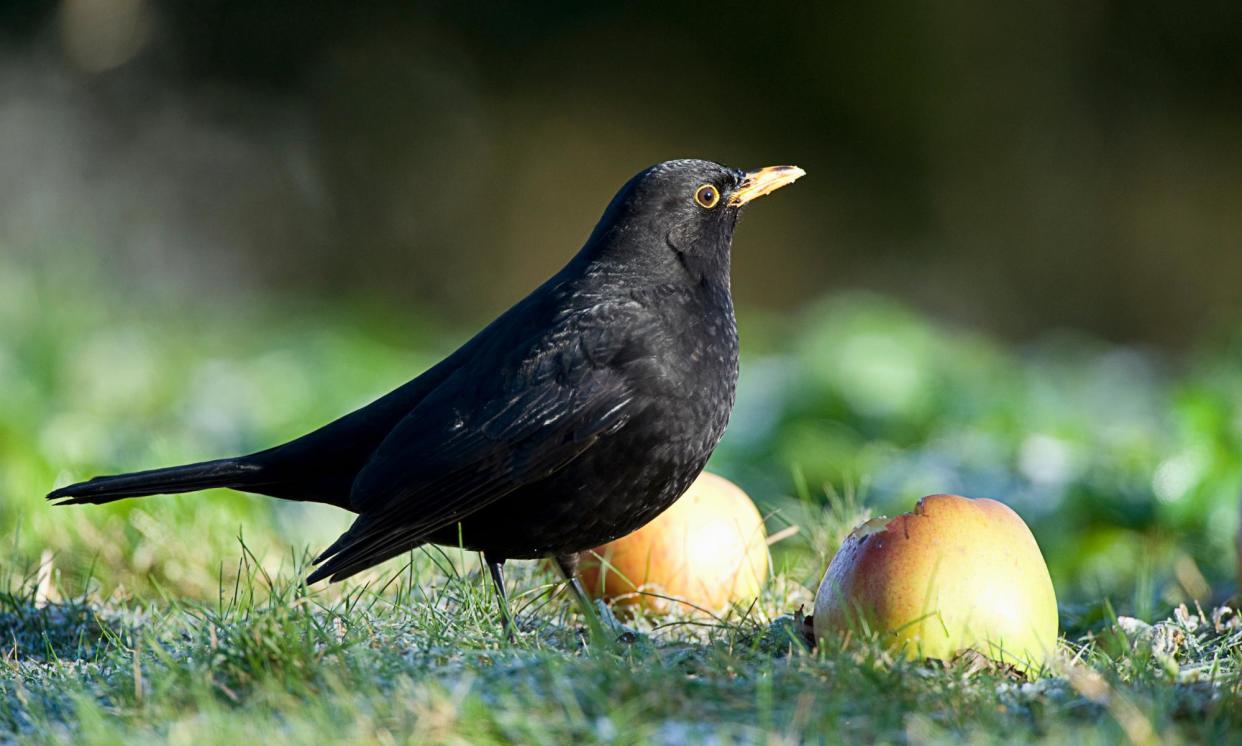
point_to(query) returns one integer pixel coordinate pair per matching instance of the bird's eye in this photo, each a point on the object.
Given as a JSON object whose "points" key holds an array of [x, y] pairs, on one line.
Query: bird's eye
{"points": [[707, 196]]}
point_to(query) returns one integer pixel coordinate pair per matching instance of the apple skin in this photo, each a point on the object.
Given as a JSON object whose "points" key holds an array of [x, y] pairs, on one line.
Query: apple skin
{"points": [[709, 550], [954, 574]]}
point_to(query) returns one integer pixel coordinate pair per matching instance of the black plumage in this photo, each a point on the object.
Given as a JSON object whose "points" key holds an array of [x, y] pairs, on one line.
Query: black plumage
{"points": [[572, 419]]}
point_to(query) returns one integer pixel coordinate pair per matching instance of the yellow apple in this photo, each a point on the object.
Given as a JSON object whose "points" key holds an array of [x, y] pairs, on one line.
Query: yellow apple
{"points": [[707, 551], [955, 574]]}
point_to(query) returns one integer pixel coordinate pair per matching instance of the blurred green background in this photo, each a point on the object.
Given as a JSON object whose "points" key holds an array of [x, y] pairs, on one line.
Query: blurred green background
{"points": [[1012, 270]]}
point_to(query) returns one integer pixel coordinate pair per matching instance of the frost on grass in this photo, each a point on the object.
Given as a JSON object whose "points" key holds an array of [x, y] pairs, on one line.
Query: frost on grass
{"points": [[69, 630], [422, 659]]}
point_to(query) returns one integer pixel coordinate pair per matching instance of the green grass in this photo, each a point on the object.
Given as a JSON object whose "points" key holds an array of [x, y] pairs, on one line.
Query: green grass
{"points": [[416, 656], [181, 619]]}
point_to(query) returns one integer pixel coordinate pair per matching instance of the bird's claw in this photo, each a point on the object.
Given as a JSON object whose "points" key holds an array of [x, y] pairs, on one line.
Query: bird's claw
{"points": [[620, 631]]}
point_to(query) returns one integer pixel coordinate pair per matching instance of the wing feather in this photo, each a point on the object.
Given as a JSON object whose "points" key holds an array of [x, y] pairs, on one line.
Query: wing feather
{"points": [[432, 472]]}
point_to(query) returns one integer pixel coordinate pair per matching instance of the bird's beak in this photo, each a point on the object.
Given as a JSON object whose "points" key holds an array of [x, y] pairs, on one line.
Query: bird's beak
{"points": [[764, 181]]}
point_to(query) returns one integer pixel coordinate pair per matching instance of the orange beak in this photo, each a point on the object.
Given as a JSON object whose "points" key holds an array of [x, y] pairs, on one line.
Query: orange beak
{"points": [[764, 181]]}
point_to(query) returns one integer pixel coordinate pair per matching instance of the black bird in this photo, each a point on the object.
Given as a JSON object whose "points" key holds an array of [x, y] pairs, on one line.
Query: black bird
{"points": [[574, 418]]}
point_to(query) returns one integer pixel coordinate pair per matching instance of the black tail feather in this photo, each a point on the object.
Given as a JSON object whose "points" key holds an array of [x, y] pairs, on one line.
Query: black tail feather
{"points": [[235, 473], [354, 559]]}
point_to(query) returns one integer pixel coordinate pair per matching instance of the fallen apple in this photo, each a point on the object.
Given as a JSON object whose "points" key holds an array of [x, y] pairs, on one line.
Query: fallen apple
{"points": [[953, 575], [707, 551]]}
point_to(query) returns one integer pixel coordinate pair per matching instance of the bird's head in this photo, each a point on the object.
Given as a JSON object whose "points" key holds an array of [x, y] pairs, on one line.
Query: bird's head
{"points": [[679, 215]]}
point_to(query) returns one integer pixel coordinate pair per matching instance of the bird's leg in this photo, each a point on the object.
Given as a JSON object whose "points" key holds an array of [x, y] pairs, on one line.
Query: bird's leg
{"points": [[568, 564], [496, 566]]}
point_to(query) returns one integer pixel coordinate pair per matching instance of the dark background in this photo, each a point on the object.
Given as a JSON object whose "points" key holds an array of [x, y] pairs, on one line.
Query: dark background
{"points": [[1013, 167]]}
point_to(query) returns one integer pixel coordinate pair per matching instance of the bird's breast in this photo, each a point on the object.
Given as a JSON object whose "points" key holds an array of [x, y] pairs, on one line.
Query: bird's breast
{"points": [[690, 375]]}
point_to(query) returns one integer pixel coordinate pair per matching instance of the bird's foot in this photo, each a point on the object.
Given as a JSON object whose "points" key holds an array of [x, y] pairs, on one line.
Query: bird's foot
{"points": [[615, 628], [604, 630]]}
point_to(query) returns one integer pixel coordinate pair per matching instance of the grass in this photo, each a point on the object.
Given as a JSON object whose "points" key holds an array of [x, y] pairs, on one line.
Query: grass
{"points": [[416, 656], [182, 619]]}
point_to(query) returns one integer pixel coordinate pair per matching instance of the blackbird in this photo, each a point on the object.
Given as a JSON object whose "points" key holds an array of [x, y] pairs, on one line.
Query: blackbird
{"points": [[573, 419]]}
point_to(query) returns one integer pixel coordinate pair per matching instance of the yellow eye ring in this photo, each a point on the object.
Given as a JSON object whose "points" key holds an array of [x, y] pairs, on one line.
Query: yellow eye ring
{"points": [[707, 196]]}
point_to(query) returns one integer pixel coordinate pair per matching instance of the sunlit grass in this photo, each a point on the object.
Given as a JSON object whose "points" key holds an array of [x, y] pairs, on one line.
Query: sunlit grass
{"points": [[416, 655]]}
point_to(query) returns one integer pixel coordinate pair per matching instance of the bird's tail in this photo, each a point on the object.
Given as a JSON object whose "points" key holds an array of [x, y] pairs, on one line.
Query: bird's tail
{"points": [[237, 473]]}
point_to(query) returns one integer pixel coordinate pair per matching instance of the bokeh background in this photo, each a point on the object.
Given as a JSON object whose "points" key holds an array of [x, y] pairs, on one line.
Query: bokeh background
{"points": [[1013, 269]]}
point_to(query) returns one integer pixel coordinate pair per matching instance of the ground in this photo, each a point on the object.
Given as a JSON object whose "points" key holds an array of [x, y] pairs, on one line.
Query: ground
{"points": [[416, 656]]}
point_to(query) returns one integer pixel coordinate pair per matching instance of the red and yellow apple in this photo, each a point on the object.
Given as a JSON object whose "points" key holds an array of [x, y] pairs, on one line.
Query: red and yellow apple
{"points": [[953, 575], [706, 552]]}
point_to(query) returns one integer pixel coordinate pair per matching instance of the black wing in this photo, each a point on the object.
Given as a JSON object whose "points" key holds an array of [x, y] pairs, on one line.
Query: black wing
{"points": [[478, 437]]}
